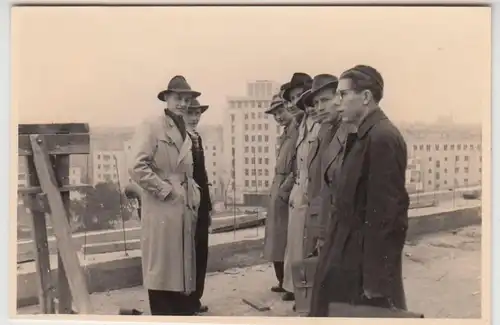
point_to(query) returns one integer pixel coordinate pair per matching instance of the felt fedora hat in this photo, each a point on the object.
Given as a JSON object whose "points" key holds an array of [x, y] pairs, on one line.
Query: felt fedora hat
{"points": [[195, 104], [320, 82], [178, 84], [300, 102], [299, 79], [276, 103]]}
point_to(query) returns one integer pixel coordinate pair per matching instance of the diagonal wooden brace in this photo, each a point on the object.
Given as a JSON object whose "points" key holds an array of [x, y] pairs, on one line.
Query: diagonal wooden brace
{"points": [[61, 226]]}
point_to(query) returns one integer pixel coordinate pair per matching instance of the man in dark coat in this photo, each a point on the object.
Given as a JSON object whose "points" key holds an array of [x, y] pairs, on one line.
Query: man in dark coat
{"points": [[192, 118], [361, 260]]}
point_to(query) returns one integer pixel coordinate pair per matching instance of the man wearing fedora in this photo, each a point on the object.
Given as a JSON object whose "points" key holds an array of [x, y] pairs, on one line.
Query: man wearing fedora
{"points": [[361, 260], [162, 166], [277, 212], [192, 118], [307, 131], [322, 156]]}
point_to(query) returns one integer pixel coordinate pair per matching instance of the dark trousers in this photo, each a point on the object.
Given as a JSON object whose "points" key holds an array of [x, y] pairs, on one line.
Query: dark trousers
{"points": [[168, 303], [279, 270], [201, 247]]}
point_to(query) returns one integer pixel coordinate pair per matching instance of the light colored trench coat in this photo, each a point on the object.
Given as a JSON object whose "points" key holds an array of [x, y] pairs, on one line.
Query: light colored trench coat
{"points": [[298, 201], [163, 163], [277, 212]]}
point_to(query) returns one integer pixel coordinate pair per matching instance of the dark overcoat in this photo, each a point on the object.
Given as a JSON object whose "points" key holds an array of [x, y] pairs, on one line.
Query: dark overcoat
{"points": [[316, 169], [277, 212], [366, 235]]}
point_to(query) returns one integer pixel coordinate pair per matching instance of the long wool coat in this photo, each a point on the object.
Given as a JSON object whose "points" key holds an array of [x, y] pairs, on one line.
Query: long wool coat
{"points": [[298, 202], [277, 212], [163, 163], [366, 236], [315, 224]]}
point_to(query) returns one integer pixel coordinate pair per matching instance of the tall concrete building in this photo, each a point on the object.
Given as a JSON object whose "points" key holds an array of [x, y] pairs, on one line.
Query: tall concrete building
{"points": [[449, 158], [250, 143]]}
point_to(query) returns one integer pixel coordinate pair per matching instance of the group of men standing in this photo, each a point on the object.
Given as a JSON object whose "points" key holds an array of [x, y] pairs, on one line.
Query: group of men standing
{"points": [[171, 185], [338, 191]]}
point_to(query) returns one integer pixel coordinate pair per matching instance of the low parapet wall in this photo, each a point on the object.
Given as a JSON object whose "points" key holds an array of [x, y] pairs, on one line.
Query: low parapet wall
{"points": [[245, 250]]}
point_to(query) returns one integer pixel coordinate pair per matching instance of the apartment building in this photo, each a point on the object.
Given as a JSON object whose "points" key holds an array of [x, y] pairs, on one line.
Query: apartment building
{"points": [[448, 159], [213, 147], [250, 139], [109, 166]]}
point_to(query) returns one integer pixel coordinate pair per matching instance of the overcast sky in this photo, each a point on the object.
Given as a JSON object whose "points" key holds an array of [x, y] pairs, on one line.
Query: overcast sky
{"points": [[105, 65]]}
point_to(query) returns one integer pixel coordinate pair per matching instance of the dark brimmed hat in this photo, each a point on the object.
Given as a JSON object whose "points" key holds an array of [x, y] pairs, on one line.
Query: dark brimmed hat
{"points": [[276, 103], [320, 82], [299, 80], [178, 84], [300, 102], [195, 104]]}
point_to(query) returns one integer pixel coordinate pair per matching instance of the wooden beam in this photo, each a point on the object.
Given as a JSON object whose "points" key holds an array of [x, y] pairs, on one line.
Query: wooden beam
{"points": [[64, 188], [256, 304], [46, 290], [61, 226], [58, 144], [53, 128]]}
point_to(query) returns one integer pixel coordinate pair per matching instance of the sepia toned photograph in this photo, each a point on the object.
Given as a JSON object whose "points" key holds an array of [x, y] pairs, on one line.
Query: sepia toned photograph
{"points": [[263, 161]]}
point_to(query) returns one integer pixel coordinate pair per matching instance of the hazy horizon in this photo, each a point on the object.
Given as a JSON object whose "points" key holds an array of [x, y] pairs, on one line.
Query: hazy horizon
{"points": [[105, 65]]}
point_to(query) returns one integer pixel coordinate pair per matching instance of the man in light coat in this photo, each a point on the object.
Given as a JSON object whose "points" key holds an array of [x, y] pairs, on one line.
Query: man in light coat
{"points": [[277, 212], [162, 166], [307, 130]]}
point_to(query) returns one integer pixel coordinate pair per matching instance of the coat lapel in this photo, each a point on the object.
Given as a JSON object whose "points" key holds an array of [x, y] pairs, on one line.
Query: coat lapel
{"points": [[172, 133], [313, 151], [334, 149], [185, 149]]}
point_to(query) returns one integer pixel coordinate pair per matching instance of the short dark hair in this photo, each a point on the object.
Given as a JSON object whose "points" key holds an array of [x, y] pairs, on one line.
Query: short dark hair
{"points": [[364, 77]]}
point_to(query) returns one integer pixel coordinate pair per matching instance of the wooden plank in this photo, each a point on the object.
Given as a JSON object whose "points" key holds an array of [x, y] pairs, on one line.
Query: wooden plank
{"points": [[57, 144], [256, 304], [41, 247], [65, 306], [64, 188], [53, 128], [60, 224]]}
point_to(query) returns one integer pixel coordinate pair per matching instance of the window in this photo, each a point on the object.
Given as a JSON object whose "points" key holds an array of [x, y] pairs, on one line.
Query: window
{"points": [[260, 161], [466, 169], [445, 158], [232, 128], [246, 149], [266, 161], [253, 160], [246, 137], [438, 164], [260, 172], [246, 127], [266, 172], [445, 147], [266, 149], [260, 183], [430, 158], [254, 183], [253, 138], [266, 126], [259, 137], [247, 183], [446, 170], [266, 138], [253, 127], [430, 171], [415, 147], [259, 115], [246, 171], [246, 160], [437, 147], [437, 175], [259, 126], [466, 158], [253, 116], [457, 169], [233, 151], [259, 149], [459, 146], [428, 147], [214, 148], [246, 116], [253, 149], [232, 118], [214, 164], [213, 154], [266, 184], [457, 158], [253, 172]]}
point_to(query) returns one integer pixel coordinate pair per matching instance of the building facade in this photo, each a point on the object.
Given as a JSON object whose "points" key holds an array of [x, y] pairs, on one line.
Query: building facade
{"points": [[447, 159], [250, 141], [213, 147]]}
